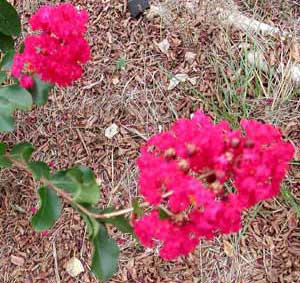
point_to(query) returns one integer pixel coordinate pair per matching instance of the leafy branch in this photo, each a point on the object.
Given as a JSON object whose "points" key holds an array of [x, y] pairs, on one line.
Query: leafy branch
{"points": [[79, 188]]}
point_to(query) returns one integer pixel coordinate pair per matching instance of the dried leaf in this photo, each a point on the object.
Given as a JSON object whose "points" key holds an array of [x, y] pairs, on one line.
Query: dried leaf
{"points": [[258, 60], [295, 74], [270, 242], [164, 46], [191, 5], [115, 80], [272, 58], [111, 131], [292, 219], [190, 57], [274, 275], [176, 80], [228, 248], [291, 127], [295, 52], [297, 157], [157, 11], [74, 267], [193, 81]]}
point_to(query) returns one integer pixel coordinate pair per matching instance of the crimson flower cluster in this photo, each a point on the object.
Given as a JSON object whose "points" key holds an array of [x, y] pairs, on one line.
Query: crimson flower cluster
{"points": [[56, 53], [200, 176]]}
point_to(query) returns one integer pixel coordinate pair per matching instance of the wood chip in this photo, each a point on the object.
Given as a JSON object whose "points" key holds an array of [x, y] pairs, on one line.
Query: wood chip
{"points": [[17, 260]]}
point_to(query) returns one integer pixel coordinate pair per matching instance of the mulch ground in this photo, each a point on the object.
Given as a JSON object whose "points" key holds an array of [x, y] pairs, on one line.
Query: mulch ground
{"points": [[70, 130]]}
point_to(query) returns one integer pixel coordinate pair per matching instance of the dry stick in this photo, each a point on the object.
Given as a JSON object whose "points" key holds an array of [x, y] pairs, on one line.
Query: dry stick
{"points": [[242, 22], [229, 14], [55, 263], [250, 25]]}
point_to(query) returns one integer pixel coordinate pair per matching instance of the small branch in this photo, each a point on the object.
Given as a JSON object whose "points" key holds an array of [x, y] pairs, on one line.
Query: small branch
{"points": [[70, 200], [127, 210], [119, 212], [240, 21], [167, 211], [60, 192], [55, 263]]}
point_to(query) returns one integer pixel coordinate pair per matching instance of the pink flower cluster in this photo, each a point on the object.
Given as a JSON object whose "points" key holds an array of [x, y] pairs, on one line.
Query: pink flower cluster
{"points": [[202, 176], [58, 51]]}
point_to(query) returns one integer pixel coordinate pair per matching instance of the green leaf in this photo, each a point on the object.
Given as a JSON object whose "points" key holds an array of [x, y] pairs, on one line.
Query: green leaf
{"points": [[39, 170], [22, 151], [137, 209], [6, 42], [2, 77], [11, 98], [6, 123], [89, 191], [290, 200], [105, 250], [6, 107], [92, 223], [122, 223], [6, 120], [163, 214], [10, 23], [105, 254], [80, 181], [5, 162], [40, 91], [7, 60], [61, 180], [19, 97], [2, 148], [121, 63], [49, 211]]}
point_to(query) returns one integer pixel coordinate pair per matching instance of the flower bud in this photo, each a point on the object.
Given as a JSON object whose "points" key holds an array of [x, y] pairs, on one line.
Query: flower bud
{"points": [[184, 165], [235, 142], [229, 156], [190, 149], [217, 188], [249, 144], [170, 153], [193, 200], [179, 218], [211, 178]]}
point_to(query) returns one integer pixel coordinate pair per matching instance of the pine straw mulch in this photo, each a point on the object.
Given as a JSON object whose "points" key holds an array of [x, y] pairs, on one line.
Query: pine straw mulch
{"points": [[70, 129]]}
